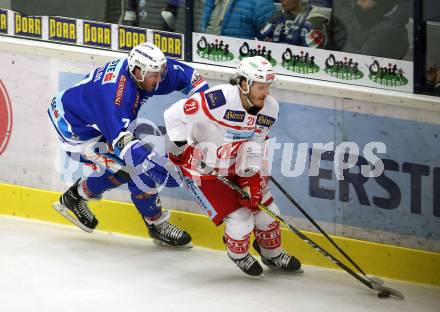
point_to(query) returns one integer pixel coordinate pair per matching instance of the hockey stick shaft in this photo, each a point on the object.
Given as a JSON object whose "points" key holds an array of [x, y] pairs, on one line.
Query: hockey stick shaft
{"points": [[298, 206], [325, 253], [298, 233]]}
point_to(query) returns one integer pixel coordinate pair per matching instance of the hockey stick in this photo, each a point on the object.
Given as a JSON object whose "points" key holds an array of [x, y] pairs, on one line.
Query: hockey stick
{"points": [[383, 291], [293, 201]]}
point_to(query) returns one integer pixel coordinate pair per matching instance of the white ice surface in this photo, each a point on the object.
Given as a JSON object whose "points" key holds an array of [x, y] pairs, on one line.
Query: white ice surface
{"points": [[47, 267]]}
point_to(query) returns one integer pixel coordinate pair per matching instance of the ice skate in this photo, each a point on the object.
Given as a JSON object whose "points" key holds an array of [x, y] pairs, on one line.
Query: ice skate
{"points": [[282, 262], [164, 233], [74, 208], [248, 265]]}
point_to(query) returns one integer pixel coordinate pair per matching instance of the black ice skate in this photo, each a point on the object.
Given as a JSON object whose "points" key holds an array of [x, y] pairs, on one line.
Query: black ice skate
{"points": [[167, 234], [248, 265], [74, 208], [282, 262]]}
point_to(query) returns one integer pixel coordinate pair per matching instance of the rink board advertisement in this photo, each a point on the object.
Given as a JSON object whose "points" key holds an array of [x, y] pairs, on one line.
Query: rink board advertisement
{"points": [[401, 207], [88, 33], [306, 62]]}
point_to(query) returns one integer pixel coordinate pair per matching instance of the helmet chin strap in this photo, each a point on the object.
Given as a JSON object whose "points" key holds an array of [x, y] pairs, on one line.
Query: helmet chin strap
{"points": [[138, 82], [252, 110]]}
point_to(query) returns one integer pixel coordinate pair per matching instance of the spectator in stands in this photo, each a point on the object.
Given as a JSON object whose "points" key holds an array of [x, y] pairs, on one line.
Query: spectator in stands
{"points": [[169, 15], [433, 80], [299, 23], [134, 13], [370, 27], [236, 18]]}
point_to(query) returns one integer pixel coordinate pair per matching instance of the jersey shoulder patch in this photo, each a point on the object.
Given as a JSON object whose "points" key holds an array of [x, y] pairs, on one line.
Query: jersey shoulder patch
{"points": [[112, 71], [269, 114], [215, 98], [191, 106], [265, 121]]}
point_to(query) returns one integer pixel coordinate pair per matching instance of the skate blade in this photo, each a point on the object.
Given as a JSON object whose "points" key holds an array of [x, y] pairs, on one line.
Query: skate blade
{"points": [[299, 271], [163, 244], [65, 213]]}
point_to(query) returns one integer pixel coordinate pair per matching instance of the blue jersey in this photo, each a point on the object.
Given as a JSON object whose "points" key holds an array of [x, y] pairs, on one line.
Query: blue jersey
{"points": [[108, 99]]}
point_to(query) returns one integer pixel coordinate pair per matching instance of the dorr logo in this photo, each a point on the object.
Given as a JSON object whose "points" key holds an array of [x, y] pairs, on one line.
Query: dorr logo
{"points": [[5, 118], [28, 26], [345, 70], [299, 63], [97, 34], [3, 21], [246, 51], [62, 29], [129, 37], [171, 44], [217, 52], [390, 76]]}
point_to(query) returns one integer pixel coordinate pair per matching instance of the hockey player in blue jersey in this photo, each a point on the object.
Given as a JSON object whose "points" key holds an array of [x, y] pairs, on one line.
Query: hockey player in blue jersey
{"points": [[99, 112]]}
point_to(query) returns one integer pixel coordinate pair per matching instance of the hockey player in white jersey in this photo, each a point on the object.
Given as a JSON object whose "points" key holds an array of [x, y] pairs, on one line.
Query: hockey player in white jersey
{"points": [[224, 129]]}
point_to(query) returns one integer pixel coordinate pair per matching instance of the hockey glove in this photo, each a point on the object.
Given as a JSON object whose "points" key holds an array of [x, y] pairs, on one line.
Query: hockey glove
{"points": [[184, 158], [190, 158], [252, 186]]}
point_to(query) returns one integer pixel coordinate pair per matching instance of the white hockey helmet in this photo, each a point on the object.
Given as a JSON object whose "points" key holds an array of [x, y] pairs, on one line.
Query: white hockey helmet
{"points": [[256, 69], [148, 58]]}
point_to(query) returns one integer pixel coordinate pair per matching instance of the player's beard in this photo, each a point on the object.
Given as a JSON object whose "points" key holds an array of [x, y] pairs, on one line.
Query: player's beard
{"points": [[253, 110]]}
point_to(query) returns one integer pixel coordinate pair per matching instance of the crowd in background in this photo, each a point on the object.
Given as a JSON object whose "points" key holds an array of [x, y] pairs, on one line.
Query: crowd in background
{"points": [[370, 27]]}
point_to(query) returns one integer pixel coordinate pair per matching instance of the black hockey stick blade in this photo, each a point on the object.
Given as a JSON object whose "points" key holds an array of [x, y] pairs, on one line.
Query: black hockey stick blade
{"points": [[383, 291], [388, 291]]}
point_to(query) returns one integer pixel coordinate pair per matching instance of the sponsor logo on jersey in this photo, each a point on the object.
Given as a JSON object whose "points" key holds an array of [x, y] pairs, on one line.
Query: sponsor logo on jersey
{"points": [[129, 37], [28, 26], [97, 34], [5, 118], [112, 71], [99, 72], [136, 102], [191, 106], [53, 107], [215, 99], [233, 115], [197, 79], [265, 121], [3, 21], [120, 90], [62, 29], [171, 44], [238, 135]]}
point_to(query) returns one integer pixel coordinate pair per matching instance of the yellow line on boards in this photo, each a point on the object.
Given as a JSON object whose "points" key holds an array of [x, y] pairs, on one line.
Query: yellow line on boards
{"points": [[374, 258]]}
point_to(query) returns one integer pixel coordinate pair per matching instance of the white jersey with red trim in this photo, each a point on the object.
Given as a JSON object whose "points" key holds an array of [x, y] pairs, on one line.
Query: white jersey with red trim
{"points": [[216, 122]]}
